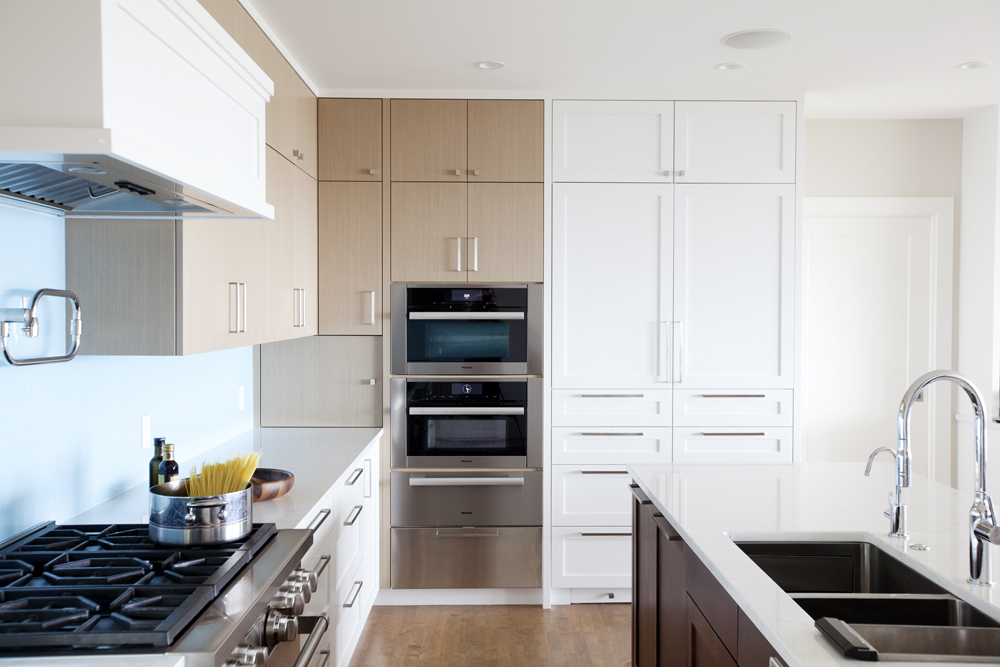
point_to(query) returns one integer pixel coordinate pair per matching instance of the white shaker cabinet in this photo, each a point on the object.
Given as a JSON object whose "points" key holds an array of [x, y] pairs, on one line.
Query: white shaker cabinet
{"points": [[612, 274], [733, 286], [612, 141], [734, 142]]}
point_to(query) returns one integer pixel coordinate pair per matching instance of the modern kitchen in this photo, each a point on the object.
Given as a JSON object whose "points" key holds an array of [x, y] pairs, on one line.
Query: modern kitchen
{"points": [[648, 334]]}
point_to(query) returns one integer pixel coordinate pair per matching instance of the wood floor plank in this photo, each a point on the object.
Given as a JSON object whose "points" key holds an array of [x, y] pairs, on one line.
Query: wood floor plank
{"points": [[595, 635]]}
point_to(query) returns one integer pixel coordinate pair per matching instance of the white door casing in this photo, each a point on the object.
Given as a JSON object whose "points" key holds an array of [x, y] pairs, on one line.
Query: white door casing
{"points": [[877, 296]]}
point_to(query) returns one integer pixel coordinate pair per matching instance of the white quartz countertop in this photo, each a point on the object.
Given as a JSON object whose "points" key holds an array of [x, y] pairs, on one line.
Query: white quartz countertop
{"points": [[316, 456], [710, 506]]}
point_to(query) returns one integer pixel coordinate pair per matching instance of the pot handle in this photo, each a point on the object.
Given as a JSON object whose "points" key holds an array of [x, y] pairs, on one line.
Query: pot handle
{"points": [[207, 502]]}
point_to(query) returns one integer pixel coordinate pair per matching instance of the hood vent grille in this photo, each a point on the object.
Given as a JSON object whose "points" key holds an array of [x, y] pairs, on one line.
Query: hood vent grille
{"points": [[33, 181]]}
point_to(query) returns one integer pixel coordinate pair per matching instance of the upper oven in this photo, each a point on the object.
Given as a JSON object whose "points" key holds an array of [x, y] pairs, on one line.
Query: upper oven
{"points": [[466, 329], [466, 423]]}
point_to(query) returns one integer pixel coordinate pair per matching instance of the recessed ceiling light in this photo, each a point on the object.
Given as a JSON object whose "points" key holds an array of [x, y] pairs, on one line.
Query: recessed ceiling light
{"points": [[976, 64], [490, 64], [730, 66], [86, 170], [757, 39]]}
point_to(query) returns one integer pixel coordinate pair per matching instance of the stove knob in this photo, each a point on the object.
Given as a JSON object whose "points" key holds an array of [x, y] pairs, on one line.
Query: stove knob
{"points": [[280, 628], [306, 577], [249, 656], [289, 602], [297, 587]]}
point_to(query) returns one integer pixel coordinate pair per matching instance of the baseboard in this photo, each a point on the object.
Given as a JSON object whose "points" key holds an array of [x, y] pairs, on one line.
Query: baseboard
{"points": [[403, 597]]}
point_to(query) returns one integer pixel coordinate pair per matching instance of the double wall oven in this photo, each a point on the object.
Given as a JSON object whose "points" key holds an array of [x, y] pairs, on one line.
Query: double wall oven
{"points": [[466, 424]]}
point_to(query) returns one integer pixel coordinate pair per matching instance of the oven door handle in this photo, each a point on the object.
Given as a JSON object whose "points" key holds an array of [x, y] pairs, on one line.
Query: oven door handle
{"points": [[322, 622], [458, 412], [466, 481], [437, 315]]}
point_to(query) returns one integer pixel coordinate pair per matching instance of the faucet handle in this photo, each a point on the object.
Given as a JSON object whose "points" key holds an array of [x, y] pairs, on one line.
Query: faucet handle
{"points": [[871, 460]]}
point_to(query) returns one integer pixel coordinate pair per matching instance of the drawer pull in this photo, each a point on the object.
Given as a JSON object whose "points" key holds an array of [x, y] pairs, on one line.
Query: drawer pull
{"points": [[354, 477], [735, 434], [604, 472], [323, 514], [734, 396], [466, 532], [325, 560], [356, 593], [612, 396], [606, 534], [607, 435], [458, 412], [466, 481], [355, 513]]}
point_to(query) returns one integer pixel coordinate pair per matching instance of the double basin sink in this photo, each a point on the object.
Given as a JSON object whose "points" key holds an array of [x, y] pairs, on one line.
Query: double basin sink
{"points": [[873, 606]]}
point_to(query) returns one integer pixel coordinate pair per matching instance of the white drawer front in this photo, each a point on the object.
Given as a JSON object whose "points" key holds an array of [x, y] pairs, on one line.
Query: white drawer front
{"points": [[727, 444], [321, 520], [615, 444], [617, 407], [591, 557], [348, 619], [348, 551], [320, 564], [729, 407], [591, 496]]}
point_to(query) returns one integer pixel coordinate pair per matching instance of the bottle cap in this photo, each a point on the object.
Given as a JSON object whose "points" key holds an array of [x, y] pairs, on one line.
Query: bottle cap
{"points": [[159, 442], [168, 448]]}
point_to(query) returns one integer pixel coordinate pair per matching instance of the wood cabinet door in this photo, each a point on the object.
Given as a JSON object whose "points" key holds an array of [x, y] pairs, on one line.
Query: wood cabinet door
{"points": [[306, 254], [611, 285], [350, 249], [247, 259], [304, 145], [282, 298], [505, 237], [671, 599], [210, 301], [506, 141], [281, 123], [646, 622], [429, 227], [735, 142], [610, 141], [704, 648], [322, 381], [429, 140], [733, 286], [350, 140]]}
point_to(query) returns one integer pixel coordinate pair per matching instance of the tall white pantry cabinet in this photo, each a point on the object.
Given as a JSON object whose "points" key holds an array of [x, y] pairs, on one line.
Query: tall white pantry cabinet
{"points": [[673, 306]]}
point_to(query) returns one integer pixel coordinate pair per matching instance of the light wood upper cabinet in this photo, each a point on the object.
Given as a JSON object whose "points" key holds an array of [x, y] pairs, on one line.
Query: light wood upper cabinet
{"points": [[735, 142], [350, 140], [307, 253], [506, 141], [429, 228], [350, 250], [304, 145], [429, 140], [282, 295], [505, 232]]}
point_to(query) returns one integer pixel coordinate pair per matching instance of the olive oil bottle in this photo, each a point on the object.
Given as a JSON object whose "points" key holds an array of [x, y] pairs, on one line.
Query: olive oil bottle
{"points": [[154, 463], [169, 471]]}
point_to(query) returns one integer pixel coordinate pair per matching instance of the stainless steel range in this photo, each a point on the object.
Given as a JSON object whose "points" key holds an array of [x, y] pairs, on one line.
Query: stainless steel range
{"points": [[108, 589]]}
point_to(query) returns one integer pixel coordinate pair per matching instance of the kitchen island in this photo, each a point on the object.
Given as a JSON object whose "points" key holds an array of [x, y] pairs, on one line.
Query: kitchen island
{"points": [[705, 508]]}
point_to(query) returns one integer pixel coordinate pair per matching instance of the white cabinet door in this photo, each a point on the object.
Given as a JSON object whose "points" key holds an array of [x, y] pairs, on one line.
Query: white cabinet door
{"points": [[592, 557], [733, 286], [611, 295], [735, 142], [603, 407], [598, 141], [591, 495], [611, 444], [725, 407], [728, 444]]}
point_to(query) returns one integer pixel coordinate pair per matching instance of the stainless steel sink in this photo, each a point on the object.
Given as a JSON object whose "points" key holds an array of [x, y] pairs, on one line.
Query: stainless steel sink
{"points": [[913, 643], [936, 610]]}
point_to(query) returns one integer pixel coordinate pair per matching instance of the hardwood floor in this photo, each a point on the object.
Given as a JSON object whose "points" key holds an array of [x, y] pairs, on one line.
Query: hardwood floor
{"points": [[583, 635]]}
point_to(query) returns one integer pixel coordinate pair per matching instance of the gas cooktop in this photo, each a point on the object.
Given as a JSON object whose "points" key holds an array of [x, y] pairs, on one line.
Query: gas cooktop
{"points": [[110, 586]]}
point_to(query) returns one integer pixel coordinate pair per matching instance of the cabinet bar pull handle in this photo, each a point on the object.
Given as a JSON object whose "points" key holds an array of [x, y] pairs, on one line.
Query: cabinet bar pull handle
{"points": [[475, 254], [631, 435], [295, 307], [735, 434], [604, 472], [355, 595], [324, 560], [733, 396], [371, 320], [244, 307], [458, 253], [355, 513], [354, 477], [612, 396], [678, 350], [606, 534], [302, 306], [234, 299], [323, 514]]}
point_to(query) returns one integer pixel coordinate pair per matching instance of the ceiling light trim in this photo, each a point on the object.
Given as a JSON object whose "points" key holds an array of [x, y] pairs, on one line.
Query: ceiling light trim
{"points": [[756, 39]]}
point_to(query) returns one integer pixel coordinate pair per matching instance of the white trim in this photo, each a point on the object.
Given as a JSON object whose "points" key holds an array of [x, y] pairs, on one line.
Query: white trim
{"points": [[941, 211], [283, 50], [409, 597]]}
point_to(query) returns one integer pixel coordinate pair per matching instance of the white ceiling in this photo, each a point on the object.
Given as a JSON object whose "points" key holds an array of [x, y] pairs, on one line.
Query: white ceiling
{"points": [[852, 58]]}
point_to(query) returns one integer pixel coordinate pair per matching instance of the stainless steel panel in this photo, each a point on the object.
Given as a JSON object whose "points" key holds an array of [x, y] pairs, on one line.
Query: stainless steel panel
{"points": [[536, 431], [397, 419], [397, 329], [467, 368], [418, 506], [459, 462], [466, 557], [536, 329]]}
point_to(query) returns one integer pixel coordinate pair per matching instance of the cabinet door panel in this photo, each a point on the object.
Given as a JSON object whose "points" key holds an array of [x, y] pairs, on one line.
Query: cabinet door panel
{"points": [[591, 496], [611, 444], [506, 140], [733, 286], [735, 142], [754, 650], [350, 241], [647, 567], [732, 444], [282, 306], [306, 253], [715, 605], [429, 227], [247, 254], [591, 557], [429, 140], [725, 407], [612, 274], [704, 649], [322, 381], [599, 408], [305, 128], [505, 232], [281, 132], [613, 141], [671, 602], [350, 140]]}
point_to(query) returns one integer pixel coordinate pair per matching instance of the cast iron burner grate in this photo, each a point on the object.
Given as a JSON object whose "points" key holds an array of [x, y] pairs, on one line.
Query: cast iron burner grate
{"points": [[110, 586]]}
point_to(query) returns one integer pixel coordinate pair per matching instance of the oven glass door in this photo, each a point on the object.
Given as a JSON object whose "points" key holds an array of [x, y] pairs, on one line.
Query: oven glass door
{"points": [[466, 419], [446, 325]]}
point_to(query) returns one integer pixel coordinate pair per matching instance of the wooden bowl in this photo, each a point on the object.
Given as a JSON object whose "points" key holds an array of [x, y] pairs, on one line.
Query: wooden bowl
{"points": [[271, 483]]}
